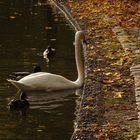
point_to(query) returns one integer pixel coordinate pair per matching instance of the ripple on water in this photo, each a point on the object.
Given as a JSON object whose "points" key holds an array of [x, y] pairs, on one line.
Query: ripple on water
{"points": [[49, 101]]}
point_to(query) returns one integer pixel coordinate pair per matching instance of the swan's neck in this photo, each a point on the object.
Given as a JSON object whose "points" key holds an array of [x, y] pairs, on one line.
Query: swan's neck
{"points": [[79, 63]]}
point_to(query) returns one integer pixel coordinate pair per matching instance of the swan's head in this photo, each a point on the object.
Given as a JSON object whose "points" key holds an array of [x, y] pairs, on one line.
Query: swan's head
{"points": [[80, 35]]}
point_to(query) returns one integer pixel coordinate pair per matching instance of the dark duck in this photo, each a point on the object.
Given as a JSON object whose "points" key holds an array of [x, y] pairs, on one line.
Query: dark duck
{"points": [[37, 68], [19, 104], [19, 75]]}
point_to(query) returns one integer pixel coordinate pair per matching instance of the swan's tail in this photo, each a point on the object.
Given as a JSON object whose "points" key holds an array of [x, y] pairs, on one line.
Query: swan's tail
{"points": [[18, 85]]}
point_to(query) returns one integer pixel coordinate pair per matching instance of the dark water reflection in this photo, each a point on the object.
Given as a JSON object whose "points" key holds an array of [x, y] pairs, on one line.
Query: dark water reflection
{"points": [[27, 28]]}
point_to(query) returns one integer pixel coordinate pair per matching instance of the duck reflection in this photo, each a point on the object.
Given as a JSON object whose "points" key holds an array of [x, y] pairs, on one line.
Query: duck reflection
{"points": [[48, 102]]}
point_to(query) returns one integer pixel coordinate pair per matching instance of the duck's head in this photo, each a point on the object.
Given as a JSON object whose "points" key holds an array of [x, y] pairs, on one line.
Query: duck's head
{"points": [[37, 68], [23, 96], [49, 48]]}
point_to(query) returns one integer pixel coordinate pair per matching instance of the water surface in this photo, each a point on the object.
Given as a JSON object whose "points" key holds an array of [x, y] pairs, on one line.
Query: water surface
{"points": [[27, 28]]}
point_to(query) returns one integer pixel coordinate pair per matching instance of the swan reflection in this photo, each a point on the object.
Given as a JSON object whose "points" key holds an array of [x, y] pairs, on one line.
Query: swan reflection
{"points": [[47, 102]]}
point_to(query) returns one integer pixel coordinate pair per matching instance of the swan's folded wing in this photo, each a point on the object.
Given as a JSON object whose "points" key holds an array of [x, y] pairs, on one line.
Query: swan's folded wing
{"points": [[19, 85]]}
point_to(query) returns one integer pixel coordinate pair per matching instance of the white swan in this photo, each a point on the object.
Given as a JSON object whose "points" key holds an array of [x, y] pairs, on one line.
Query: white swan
{"points": [[50, 82]]}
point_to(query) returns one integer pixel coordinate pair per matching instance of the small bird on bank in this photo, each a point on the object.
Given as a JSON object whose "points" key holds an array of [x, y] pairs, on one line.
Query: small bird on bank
{"points": [[19, 104]]}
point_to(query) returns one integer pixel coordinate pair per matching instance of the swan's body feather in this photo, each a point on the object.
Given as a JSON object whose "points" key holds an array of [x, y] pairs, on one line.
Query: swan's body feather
{"points": [[43, 81]]}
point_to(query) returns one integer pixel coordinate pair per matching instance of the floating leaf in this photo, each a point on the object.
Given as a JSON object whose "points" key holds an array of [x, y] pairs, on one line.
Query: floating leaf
{"points": [[39, 130], [12, 17], [48, 28]]}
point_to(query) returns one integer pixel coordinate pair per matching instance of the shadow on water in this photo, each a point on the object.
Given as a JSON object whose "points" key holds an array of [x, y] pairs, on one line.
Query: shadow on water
{"points": [[27, 30]]}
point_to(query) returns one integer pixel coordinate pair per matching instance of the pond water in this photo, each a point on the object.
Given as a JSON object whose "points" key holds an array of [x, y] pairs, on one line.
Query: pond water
{"points": [[27, 28]]}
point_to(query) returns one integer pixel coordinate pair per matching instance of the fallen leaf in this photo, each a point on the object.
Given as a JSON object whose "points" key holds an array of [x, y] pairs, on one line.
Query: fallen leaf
{"points": [[118, 94], [90, 99], [102, 137], [137, 108]]}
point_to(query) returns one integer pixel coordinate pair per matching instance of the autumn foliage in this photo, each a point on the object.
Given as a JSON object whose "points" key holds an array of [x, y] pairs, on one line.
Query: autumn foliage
{"points": [[125, 12], [109, 64]]}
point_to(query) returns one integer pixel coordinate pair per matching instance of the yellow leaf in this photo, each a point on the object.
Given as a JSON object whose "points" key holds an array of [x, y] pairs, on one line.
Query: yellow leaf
{"points": [[137, 108], [118, 94], [108, 73], [48, 28], [39, 130], [81, 17]]}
